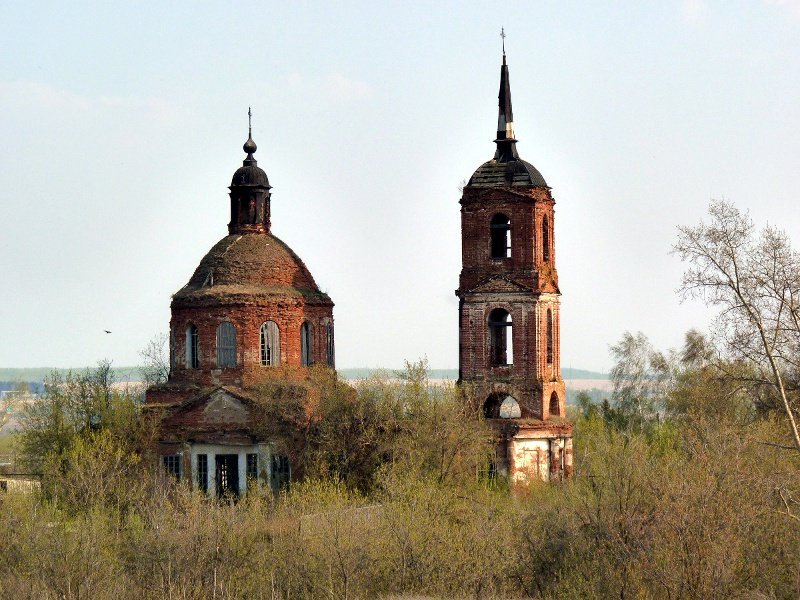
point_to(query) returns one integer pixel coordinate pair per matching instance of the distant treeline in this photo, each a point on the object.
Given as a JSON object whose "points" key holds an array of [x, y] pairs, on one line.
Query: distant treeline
{"points": [[595, 394], [36, 375], [365, 372]]}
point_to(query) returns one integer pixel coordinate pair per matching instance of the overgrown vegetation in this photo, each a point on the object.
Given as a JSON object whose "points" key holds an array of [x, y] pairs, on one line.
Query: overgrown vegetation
{"points": [[686, 485], [687, 503]]}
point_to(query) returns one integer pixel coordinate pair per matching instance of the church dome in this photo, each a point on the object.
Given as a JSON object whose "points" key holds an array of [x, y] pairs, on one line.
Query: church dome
{"points": [[249, 269], [495, 173], [250, 173]]}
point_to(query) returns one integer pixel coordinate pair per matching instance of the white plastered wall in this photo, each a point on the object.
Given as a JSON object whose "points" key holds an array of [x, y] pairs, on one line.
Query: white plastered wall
{"points": [[211, 450]]}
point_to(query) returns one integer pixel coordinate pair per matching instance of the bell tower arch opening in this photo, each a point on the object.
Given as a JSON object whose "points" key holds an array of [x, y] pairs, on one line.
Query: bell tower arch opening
{"points": [[500, 233]]}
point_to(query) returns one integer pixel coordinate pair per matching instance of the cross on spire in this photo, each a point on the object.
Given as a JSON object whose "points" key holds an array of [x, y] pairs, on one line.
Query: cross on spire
{"points": [[503, 36]]}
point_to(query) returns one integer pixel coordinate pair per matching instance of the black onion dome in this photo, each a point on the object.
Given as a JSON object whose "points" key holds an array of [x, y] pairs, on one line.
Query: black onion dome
{"points": [[495, 173], [250, 173]]}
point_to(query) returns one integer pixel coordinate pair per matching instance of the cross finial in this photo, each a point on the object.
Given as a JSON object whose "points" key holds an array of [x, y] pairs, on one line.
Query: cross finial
{"points": [[503, 36], [249, 122]]}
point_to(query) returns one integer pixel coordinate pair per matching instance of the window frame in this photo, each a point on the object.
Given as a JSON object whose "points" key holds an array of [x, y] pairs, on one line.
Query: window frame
{"points": [[173, 465], [501, 337], [500, 236], [545, 239], [192, 347], [270, 344], [306, 345], [226, 346]]}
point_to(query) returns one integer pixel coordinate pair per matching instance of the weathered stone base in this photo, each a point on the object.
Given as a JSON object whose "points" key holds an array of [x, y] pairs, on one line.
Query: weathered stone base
{"points": [[530, 450]]}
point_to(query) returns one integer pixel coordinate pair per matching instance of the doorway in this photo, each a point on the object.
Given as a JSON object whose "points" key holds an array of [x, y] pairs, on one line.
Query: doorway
{"points": [[227, 475]]}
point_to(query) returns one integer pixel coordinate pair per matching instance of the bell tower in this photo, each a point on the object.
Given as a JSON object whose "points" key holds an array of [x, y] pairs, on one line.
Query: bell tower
{"points": [[509, 308]]}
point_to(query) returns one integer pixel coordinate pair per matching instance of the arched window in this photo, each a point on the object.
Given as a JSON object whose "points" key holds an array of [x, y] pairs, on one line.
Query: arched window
{"points": [[226, 345], [192, 347], [554, 405], [545, 239], [501, 337], [270, 344], [501, 406], [305, 345], [509, 408], [329, 348], [501, 236], [549, 337]]}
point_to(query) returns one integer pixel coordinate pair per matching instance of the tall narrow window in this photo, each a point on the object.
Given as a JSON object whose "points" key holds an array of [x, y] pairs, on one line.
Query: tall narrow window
{"points": [[172, 465], [545, 239], [281, 472], [192, 347], [202, 472], [501, 337], [554, 405], [270, 344], [226, 345], [252, 467], [549, 337], [500, 229], [305, 345], [329, 348]]}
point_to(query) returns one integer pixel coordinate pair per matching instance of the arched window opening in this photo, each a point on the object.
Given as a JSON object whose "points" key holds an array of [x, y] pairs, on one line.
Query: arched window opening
{"points": [[545, 239], [555, 409], [501, 236], [226, 345], [270, 344], [509, 408], [501, 405], [192, 347], [305, 345], [501, 337], [329, 348], [549, 337]]}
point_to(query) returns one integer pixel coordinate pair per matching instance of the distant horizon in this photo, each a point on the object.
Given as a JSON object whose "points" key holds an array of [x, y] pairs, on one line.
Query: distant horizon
{"points": [[36, 374]]}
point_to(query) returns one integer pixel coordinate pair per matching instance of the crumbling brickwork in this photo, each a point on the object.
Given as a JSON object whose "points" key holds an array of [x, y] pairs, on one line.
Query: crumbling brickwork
{"points": [[248, 279], [509, 309]]}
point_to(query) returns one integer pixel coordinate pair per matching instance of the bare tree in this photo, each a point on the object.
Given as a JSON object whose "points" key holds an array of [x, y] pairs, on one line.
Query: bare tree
{"points": [[155, 368], [755, 281]]}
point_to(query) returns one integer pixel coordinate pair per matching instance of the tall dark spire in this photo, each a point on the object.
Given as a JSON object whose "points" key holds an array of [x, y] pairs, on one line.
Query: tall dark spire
{"points": [[506, 142]]}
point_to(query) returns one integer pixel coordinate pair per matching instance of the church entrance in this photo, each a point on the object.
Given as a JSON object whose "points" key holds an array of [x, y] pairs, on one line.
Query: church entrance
{"points": [[227, 475]]}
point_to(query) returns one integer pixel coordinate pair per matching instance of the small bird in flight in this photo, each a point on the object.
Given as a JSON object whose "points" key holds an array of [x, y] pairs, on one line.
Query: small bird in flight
{"points": [[106, 330]]}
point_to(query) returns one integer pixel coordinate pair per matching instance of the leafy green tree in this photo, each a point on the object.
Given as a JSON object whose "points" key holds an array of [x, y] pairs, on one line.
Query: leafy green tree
{"points": [[75, 405], [642, 377]]}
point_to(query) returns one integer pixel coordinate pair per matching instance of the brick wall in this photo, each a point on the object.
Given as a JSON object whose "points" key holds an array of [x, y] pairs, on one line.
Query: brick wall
{"points": [[524, 284], [289, 313]]}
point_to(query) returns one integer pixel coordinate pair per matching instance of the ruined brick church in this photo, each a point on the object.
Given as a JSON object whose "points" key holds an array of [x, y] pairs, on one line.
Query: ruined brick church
{"points": [[508, 314], [252, 306]]}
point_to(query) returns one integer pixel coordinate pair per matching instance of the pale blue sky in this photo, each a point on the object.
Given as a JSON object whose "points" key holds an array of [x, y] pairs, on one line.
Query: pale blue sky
{"points": [[122, 123]]}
